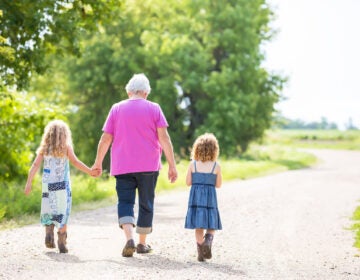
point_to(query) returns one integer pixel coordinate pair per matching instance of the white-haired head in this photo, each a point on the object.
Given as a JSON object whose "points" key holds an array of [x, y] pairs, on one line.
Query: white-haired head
{"points": [[138, 83]]}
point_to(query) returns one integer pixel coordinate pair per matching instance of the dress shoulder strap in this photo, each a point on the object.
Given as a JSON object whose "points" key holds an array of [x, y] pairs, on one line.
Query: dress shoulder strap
{"points": [[212, 171], [195, 165]]}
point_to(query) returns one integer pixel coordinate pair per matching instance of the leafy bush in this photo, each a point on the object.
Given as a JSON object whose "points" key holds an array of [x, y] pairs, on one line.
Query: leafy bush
{"points": [[87, 189], [22, 121], [356, 227], [14, 203], [257, 161]]}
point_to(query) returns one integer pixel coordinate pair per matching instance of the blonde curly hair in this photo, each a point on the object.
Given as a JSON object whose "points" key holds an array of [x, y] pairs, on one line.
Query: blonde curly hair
{"points": [[205, 148], [56, 139]]}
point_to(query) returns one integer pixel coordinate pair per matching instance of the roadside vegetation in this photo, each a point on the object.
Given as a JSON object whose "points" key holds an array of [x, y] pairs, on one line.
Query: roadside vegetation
{"points": [[356, 227], [191, 63], [91, 193], [316, 139], [279, 151], [89, 70]]}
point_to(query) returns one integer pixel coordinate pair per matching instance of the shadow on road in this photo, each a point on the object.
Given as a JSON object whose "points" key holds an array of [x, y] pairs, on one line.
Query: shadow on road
{"points": [[152, 260]]}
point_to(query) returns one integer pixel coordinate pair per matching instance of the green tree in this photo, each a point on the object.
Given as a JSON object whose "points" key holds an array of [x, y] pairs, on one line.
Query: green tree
{"points": [[236, 96], [30, 32], [212, 51], [22, 120], [97, 79], [31, 29], [204, 61], [94, 85]]}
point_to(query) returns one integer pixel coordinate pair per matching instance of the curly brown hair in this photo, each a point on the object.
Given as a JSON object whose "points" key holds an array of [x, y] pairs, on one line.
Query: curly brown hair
{"points": [[56, 139], [205, 148]]}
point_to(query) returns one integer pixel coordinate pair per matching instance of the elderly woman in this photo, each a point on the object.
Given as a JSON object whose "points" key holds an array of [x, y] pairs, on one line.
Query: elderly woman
{"points": [[136, 129]]}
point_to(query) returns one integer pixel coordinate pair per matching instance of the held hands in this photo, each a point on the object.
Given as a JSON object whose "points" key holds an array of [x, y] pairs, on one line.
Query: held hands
{"points": [[96, 170]]}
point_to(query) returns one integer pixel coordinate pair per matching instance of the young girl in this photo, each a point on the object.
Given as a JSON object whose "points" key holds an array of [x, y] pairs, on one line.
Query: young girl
{"points": [[55, 151], [204, 175]]}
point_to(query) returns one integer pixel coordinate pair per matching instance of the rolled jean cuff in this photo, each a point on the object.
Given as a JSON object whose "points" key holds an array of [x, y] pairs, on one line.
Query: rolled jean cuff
{"points": [[143, 230], [126, 220]]}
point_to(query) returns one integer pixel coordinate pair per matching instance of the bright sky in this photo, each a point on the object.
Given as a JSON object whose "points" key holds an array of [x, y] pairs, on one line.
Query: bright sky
{"points": [[318, 48]]}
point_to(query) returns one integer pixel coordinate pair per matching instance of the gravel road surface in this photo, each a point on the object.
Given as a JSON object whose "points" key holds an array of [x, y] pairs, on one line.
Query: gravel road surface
{"points": [[290, 225]]}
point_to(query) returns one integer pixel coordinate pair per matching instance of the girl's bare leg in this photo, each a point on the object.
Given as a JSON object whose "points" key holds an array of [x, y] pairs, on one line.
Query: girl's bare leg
{"points": [[210, 231], [63, 229], [199, 235]]}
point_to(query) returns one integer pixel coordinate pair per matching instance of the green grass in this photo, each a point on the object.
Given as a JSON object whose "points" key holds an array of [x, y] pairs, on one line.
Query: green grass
{"points": [[89, 189], [356, 227], [16, 209], [319, 139], [258, 161], [277, 153], [91, 193]]}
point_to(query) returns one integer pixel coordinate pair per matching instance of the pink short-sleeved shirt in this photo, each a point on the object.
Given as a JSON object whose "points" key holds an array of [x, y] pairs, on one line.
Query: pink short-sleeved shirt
{"points": [[133, 124]]}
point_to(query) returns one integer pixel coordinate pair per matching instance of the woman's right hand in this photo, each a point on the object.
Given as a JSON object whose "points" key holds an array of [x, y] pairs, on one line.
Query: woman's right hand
{"points": [[95, 172], [172, 174]]}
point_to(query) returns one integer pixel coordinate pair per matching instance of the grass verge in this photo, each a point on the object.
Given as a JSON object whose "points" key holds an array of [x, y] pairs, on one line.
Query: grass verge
{"points": [[356, 227], [316, 139], [91, 193]]}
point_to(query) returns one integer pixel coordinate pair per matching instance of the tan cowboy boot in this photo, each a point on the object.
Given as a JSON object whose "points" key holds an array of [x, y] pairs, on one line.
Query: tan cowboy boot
{"points": [[49, 237], [62, 242]]}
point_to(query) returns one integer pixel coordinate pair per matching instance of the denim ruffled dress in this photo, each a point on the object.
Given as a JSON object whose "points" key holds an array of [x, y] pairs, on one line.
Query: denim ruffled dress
{"points": [[202, 207]]}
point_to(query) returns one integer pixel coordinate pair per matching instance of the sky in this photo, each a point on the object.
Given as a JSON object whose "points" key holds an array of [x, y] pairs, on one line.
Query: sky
{"points": [[318, 48]]}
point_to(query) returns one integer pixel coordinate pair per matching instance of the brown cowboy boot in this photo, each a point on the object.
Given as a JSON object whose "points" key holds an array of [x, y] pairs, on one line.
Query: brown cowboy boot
{"points": [[206, 246], [49, 237], [200, 253], [62, 242]]}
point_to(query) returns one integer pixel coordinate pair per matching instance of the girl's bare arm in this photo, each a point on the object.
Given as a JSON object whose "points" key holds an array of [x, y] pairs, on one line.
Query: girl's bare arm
{"points": [[188, 175], [34, 168], [218, 177], [77, 163]]}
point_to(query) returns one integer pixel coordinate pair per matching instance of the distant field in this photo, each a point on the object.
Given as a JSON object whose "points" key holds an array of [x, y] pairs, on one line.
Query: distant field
{"points": [[320, 139]]}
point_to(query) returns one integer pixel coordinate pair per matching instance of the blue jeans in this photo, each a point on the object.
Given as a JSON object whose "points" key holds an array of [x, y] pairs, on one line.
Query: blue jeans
{"points": [[126, 185]]}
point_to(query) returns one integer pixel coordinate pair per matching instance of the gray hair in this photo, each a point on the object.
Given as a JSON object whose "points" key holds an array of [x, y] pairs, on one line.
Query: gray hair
{"points": [[138, 82]]}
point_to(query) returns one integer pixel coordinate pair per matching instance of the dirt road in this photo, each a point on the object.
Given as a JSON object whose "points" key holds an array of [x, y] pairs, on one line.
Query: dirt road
{"points": [[290, 225]]}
